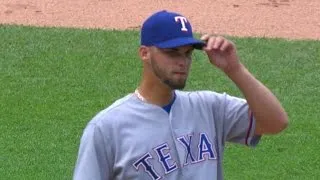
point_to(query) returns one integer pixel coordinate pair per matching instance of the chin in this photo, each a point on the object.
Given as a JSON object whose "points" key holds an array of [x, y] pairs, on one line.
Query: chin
{"points": [[178, 86]]}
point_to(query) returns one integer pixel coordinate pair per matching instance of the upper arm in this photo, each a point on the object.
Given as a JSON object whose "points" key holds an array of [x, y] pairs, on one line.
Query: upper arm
{"points": [[259, 129], [92, 161], [239, 124]]}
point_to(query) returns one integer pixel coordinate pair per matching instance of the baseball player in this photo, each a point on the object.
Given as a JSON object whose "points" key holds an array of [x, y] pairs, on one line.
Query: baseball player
{"points": [[160, 131]]}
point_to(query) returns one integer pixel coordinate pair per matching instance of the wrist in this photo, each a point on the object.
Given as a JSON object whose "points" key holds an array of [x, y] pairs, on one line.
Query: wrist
{"points": [[234, 70], [241, 77]]}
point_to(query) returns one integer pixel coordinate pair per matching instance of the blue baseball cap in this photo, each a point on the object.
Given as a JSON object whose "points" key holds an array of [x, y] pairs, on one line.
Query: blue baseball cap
{"points": [[165, 29]]}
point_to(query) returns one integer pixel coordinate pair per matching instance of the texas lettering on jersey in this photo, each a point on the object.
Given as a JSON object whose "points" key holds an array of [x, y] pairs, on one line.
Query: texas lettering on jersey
{"points": [[204, 150]]}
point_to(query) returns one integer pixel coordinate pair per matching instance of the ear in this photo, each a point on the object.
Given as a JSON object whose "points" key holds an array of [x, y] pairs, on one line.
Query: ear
{"points": [[144, 53]]}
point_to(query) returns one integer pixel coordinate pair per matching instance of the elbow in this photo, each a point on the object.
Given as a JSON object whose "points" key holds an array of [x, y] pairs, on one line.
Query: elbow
{"points": [[284, 123], [281, 124], [276, 126]]}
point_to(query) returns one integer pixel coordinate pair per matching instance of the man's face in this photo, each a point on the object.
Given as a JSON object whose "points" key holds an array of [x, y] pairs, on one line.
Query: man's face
{"points": [[172, 65]]}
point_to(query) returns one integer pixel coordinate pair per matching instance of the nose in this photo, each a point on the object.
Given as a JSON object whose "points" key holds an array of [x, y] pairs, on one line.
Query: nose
{"points": [[181, 61]]}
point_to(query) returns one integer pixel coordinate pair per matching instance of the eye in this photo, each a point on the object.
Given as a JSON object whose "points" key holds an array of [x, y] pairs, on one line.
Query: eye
{"points": [[189, 53], [175, 53], [172, 53]]}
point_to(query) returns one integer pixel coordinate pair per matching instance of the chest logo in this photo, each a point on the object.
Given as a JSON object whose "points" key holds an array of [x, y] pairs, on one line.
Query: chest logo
{"points": [[195, 152]]}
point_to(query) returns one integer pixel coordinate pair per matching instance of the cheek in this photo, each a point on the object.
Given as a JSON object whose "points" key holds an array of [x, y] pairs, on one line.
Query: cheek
{"points": [[161, 66], [189, 61], [165, 63]]}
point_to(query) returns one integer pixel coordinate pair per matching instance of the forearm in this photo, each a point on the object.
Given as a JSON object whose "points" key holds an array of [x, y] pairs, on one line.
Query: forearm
{"points": [[270, 116]]}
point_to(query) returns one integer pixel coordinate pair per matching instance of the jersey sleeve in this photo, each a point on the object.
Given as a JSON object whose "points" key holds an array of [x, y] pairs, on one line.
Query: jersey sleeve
{"points": [[239, 123], [93, 156]]}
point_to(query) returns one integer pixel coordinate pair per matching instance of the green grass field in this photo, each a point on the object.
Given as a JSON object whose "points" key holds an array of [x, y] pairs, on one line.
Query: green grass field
{"points": [[53, 81]]}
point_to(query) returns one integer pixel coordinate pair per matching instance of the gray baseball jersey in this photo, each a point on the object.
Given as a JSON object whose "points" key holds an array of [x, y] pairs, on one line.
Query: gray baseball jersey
{"points": [[132, 139]]}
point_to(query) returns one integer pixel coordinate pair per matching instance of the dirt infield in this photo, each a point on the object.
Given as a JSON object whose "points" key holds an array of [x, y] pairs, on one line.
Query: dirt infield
{"points": [[269, 18]]}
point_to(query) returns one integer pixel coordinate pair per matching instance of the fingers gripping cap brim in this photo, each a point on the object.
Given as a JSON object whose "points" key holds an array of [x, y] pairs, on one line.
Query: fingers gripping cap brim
{"points": [[185, 41]]}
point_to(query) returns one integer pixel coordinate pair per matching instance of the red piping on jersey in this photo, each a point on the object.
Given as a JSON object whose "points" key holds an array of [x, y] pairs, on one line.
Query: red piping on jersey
{"points": [[250, 126]]}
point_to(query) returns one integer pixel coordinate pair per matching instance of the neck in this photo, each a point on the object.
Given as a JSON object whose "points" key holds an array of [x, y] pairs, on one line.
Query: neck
{"points": [[155, 92]]}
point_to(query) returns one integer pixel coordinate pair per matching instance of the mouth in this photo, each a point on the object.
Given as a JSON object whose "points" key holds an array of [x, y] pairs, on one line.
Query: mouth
{"points": [[180, 73]]}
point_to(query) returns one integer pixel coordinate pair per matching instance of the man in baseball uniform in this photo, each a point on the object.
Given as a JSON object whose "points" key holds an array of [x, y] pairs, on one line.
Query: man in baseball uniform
{"points": [[161, 132]]}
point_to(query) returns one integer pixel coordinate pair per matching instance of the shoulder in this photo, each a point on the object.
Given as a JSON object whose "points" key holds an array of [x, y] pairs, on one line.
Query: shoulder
{"points": [[202, 95], [114, 110], [104, 123], [209, 98]]}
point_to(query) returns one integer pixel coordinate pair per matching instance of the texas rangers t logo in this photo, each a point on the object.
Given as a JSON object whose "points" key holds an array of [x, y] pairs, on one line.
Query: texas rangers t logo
{"points": [[182, 20]]}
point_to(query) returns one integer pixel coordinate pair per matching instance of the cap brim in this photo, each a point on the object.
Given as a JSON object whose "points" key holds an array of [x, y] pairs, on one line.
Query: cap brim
{"points": [[184, 41]]}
